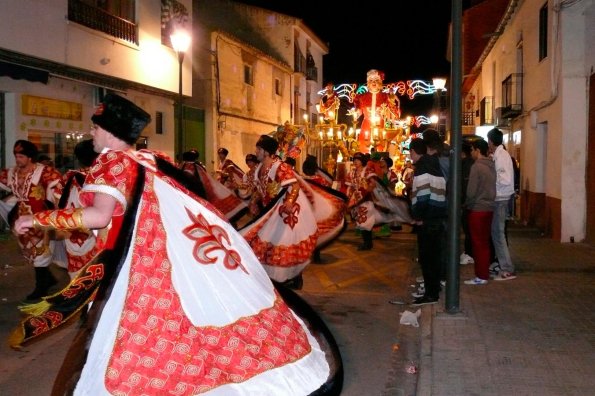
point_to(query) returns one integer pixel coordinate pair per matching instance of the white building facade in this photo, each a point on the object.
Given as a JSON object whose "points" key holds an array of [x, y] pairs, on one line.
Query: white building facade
{"points": [[58, 58], [537, 72], [255, 69]]}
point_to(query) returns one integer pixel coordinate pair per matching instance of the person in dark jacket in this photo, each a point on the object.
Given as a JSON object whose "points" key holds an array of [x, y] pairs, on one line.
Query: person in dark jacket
{"points": [[428, 209], [438, 148]]}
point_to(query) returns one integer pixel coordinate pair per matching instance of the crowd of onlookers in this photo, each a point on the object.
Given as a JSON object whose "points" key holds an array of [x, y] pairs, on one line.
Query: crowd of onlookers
{"points": [[488, 187]]}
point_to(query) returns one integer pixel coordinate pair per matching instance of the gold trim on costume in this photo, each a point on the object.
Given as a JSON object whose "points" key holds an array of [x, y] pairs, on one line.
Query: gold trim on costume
{"points": [[293, 194], [64, 219]]}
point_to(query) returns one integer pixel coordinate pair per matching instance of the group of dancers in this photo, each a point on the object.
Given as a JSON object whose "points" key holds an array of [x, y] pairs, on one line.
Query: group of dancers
{"points": [[293, 214], [176, 293]]}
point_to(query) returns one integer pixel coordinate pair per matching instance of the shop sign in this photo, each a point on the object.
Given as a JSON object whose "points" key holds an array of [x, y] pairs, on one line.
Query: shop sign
{"points": [[53, 108]]}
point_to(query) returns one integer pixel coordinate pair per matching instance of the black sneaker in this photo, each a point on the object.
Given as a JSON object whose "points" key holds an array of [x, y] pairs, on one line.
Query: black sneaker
{"points": [[424, 300], [295, 283], [494, 269]]}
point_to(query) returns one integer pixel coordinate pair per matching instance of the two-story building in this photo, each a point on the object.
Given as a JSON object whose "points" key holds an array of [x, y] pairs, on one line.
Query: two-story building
{"points": [[254, 69], [534, 81], [58, 58]]}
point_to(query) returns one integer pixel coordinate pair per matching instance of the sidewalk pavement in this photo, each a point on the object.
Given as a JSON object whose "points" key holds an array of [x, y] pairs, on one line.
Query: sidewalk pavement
{"points": [[534, 335]]}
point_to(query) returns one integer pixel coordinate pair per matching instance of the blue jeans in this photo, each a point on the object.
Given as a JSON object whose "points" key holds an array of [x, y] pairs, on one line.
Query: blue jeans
{"points": [[498, 236]]}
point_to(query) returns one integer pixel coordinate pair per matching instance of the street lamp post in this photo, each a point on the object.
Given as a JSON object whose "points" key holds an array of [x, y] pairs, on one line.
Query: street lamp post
{"points": [[180, 40]]}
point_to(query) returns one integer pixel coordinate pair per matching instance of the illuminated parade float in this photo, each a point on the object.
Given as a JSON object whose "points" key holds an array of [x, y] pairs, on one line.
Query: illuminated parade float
{"points": [[372, 121]]}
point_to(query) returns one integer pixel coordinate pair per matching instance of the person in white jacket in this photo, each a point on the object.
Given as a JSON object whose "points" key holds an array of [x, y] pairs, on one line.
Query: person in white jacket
{"points": [[504, 190]]}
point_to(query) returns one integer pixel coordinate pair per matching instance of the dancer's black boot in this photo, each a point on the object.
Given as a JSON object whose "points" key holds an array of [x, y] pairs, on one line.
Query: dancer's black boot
{"points": [[367, 241], [316, 257], [295, 283], [43, 281]]}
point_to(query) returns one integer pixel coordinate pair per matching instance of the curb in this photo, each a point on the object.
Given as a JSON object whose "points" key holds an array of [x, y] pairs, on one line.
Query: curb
{"points": [[424, 379]]}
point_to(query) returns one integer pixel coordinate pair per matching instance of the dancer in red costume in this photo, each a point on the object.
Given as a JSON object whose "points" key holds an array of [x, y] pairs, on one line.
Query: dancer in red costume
{"points": [[80, 244], [228, 174], [284, 233], [35, 187], [180, 303], [329, 103], [293, 217], [219, 195], [311, 172], [370, 203], [377, 107]]}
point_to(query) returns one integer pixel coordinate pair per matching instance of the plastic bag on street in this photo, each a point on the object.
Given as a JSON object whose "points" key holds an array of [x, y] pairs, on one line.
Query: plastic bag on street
{"points": [[410, 318]]}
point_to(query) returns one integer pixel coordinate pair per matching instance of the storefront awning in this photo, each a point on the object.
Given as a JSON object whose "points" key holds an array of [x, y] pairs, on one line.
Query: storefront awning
{"points": [[19, 72]]}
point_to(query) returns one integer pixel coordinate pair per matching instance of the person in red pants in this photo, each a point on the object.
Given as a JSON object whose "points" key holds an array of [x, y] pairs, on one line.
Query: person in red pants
{"points": [[479, 201]]}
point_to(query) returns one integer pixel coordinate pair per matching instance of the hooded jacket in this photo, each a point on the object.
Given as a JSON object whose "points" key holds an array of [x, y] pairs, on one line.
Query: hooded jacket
{"points": [[481, 188]]}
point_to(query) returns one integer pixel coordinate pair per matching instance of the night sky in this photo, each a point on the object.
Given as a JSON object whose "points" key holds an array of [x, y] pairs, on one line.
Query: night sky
{"points": [[406, 45]]}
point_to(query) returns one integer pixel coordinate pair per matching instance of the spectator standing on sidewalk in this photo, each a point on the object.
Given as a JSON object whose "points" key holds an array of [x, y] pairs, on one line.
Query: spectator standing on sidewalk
{"points": [[466, 163], [428, 209], [504, 190], [479, 204], [436, 147]]}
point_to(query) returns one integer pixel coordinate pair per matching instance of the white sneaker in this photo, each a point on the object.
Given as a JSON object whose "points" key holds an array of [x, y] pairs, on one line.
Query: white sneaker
{"points": [[503, 276], [476, 281], [466, 259]]}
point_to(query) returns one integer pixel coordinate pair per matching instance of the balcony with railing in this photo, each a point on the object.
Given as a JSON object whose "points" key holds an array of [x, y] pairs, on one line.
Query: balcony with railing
{"points": [[311, 69], [100, 20], [512, 96], [468, 118], [299, 60]]}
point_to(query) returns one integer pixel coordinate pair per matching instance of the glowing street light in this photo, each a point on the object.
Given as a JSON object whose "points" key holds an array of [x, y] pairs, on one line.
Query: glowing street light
{"points": [[180, 40], [439, 83]]}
